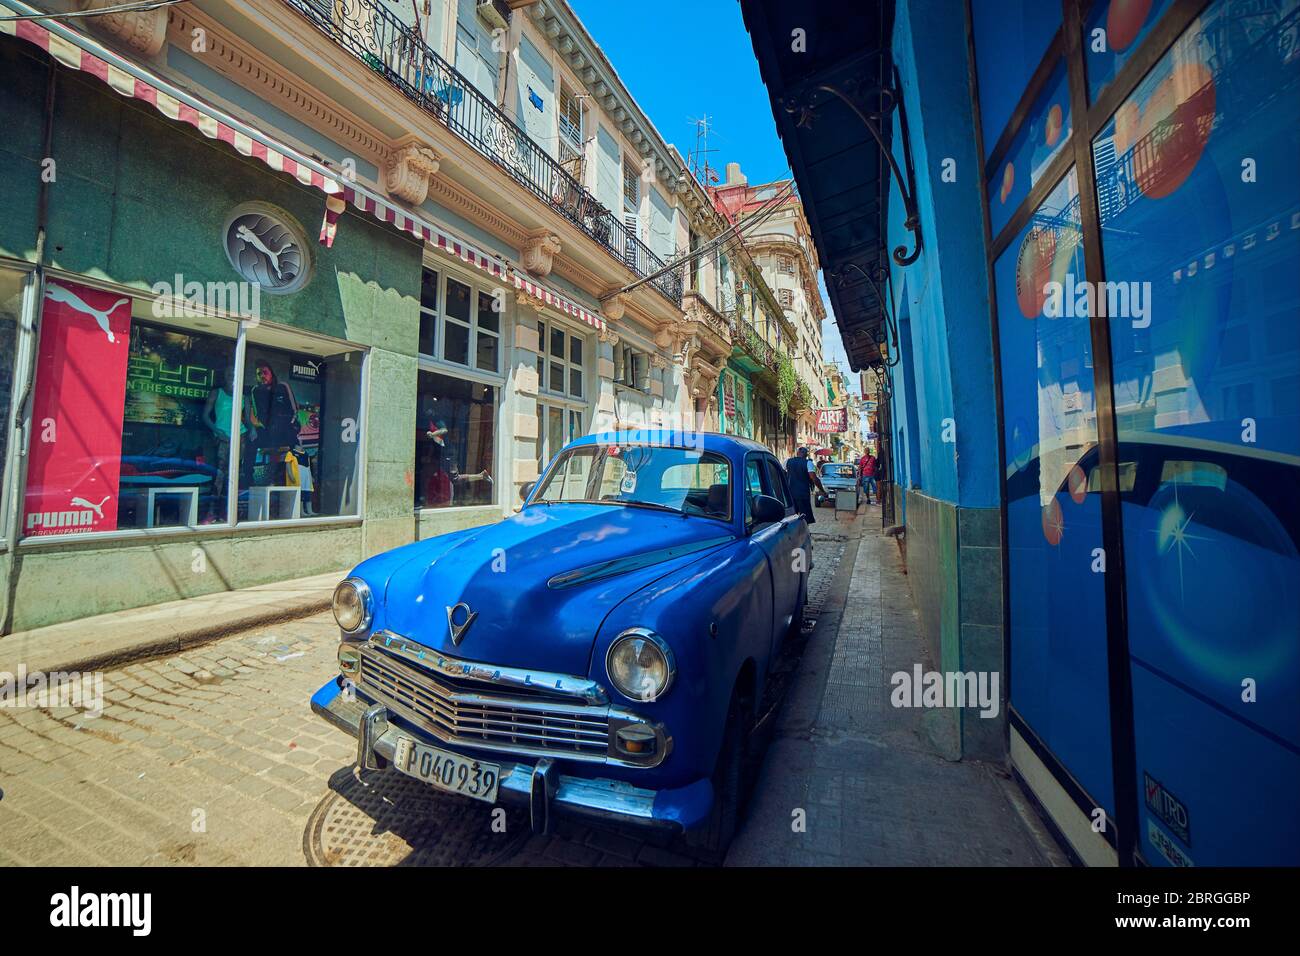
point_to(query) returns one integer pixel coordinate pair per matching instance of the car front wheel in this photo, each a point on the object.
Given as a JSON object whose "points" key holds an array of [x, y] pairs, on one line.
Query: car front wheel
{"points": [[712, 841]]}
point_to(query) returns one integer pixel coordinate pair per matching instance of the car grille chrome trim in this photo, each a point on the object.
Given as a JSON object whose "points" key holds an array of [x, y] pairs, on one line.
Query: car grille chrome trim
{"points": [[499, 721], [510, 678]]}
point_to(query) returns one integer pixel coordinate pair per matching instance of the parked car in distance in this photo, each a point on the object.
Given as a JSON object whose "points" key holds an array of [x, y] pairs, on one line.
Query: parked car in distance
{"points": [[601, 653], [838, 478]]}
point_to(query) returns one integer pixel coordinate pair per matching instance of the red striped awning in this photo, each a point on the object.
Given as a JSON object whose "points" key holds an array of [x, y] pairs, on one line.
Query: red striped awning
{"points": [[79, 52]]}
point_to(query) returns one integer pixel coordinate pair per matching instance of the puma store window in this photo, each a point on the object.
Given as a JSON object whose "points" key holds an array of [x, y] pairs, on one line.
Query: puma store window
{"points": [[133, 408], [455, 442], [12, 283], [300, 428]]}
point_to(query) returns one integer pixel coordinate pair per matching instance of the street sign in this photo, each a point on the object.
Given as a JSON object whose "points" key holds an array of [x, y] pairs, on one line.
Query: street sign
{"points": [[830, 420]]}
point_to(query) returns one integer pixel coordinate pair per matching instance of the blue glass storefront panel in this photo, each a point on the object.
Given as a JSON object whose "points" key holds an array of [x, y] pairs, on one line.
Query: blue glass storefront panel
{"points": [[1011, 39], [1114, 29], [1057, 615], [1045, 132], [1200, 208]]}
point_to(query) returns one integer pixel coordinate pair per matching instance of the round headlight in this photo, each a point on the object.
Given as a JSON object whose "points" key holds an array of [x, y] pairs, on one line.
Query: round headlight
{"points": [[640, 664], [352, 605]]}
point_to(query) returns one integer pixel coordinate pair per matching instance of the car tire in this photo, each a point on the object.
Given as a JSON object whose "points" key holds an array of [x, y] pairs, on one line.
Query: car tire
{"points": [[713, 839], [796, 622]]}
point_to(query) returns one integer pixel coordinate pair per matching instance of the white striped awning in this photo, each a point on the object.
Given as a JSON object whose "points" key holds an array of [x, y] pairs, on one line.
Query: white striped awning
{"points": [[79, 52]]}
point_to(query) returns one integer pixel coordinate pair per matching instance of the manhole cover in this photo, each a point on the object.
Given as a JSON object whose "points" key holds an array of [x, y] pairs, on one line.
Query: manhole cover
{"points": [[393, 820]]}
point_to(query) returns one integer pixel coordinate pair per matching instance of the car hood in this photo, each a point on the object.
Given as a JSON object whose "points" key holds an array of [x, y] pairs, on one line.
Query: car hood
{"points": [[541, 582]]}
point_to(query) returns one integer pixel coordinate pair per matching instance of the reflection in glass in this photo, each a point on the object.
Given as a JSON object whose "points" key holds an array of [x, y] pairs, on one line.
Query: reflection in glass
{"points": [[454, 442], [1057, 611], [1208, 410]]}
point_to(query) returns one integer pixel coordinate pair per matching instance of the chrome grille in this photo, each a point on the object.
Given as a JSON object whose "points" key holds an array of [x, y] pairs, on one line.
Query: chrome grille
{"points": [[490, 720]]}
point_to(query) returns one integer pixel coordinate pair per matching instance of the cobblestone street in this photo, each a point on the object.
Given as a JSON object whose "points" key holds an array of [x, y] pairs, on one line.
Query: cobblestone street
{"points": [[213, 757]]}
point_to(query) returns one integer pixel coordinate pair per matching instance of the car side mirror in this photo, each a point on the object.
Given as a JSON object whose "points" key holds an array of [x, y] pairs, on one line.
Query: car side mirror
{"points": [[767, 510], [526, 490]]}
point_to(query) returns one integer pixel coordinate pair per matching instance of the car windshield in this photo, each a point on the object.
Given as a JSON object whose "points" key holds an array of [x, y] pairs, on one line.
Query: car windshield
{"points": [[834, 470], [678, 479]]}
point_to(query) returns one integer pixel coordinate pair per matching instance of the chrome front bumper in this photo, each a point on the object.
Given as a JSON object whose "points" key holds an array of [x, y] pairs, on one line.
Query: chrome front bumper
{"points": [[540, 785]]}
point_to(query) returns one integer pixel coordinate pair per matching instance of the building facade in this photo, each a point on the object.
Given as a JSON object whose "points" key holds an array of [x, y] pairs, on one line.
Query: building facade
{"points": [[1080, 292], [285, 283], [777, 238]]}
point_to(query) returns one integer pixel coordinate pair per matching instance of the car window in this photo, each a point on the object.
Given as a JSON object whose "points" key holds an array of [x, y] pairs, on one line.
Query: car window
{"points": [[687, 480], [753, 485], [837, 470], [776, 478]]}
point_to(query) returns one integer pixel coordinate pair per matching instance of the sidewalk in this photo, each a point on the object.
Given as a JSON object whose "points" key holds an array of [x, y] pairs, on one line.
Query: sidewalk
{"points": [[871, 788], [95, 643]]}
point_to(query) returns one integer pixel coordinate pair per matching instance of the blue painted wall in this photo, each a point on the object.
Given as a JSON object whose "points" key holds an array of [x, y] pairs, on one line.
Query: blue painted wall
{"points": [[949, 366]]}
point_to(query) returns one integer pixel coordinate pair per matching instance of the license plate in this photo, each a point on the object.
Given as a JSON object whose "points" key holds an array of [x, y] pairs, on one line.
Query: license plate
{"points": [[447, 771]]}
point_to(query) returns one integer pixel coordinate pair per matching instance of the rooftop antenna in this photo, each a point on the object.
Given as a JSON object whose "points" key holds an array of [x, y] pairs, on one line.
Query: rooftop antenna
{"points": [[698, 161]]}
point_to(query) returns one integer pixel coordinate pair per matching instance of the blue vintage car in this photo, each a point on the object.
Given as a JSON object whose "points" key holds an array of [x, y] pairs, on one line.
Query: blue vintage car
{"points": [[600, 653]]}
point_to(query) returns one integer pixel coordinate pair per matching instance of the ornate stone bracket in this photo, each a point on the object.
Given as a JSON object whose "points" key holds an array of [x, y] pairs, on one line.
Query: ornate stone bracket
{"points": [[143, 31], [701, 378], [540, 250], [613, 306], [408, 172], [608, 336]]}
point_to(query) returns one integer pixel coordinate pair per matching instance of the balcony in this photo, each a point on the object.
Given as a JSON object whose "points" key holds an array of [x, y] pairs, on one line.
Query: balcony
{"points": [[389, 47]]}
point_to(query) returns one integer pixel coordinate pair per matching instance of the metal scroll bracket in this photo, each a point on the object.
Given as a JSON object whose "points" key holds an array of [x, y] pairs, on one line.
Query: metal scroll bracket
{"points": [[872, 103]]}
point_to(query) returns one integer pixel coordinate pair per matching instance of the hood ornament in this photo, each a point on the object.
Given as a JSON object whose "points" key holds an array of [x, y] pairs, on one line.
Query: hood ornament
{"points": [[459, 618]]}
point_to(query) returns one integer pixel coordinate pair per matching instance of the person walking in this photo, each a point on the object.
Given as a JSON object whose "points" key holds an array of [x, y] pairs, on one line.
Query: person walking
{"points": [[867, 476], [802, 474]]}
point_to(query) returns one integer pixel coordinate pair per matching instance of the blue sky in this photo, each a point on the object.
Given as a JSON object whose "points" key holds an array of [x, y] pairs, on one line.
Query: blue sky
{"points": [[698, 61]]}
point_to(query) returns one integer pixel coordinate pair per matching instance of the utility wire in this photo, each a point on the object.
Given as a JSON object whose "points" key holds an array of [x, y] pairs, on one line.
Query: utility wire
{"points": [[135, 7]]}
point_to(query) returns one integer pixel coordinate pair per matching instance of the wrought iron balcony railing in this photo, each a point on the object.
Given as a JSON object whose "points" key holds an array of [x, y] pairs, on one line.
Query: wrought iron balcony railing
{"points": [[396, 52]]}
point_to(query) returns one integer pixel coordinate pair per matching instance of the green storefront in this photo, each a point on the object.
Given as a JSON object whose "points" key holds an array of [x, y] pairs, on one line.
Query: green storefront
{"points": [[183, 299]]}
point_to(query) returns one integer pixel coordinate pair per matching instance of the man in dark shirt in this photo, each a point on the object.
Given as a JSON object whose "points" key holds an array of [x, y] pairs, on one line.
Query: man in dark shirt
{"points": [[803, 475]]}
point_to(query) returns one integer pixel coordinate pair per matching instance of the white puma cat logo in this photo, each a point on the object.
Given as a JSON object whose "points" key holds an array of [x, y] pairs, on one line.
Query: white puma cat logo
{"points": [[62, 294], [250, 238], [98, 509]]}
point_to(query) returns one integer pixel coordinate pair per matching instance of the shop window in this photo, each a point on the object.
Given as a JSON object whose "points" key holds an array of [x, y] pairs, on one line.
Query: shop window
{"points": [[1115, 28], [1011, 39], [11, 300], [1198, 251], [131, 416], [1042, 135], [455, 442], [1057, 618], [300, 451], [139, 424]]}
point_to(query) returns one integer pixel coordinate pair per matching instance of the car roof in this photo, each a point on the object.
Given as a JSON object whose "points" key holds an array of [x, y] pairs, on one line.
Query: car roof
{"points": [[730, 445]]}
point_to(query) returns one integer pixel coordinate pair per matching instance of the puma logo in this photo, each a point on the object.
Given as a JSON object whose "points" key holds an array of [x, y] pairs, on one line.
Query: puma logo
{"points": [[98, 509], [65, 296], [250, 238]]}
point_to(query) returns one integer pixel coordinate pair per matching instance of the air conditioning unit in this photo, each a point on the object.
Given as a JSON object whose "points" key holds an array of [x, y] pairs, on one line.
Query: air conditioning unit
{"points": [[494, 13]]}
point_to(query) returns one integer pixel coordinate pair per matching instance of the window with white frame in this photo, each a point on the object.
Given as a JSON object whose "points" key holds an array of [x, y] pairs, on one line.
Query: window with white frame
{"points": [[557, 425], [786, 298], [460, 323], [785, 265], [561, 361]]}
